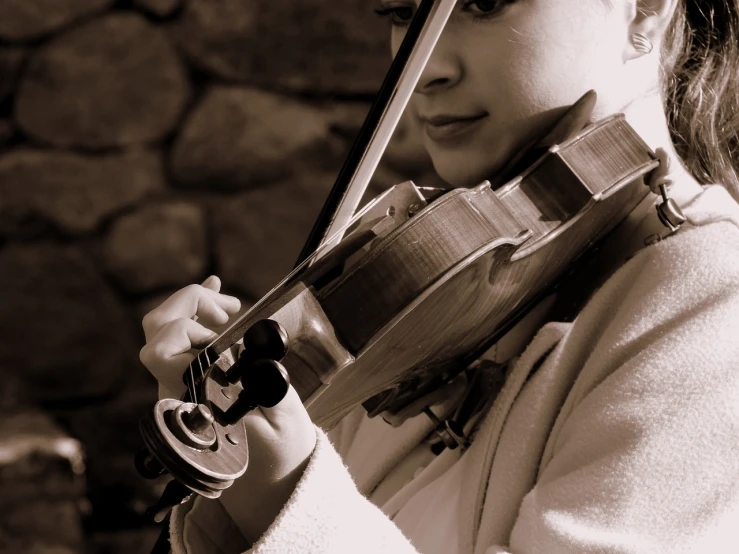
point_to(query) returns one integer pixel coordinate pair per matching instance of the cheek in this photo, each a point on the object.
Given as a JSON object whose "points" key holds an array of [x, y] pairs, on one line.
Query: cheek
{"points": [[564, 48]]}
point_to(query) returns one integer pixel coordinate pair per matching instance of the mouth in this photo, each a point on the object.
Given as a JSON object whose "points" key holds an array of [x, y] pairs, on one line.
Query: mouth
{"points": [[445, 127]]}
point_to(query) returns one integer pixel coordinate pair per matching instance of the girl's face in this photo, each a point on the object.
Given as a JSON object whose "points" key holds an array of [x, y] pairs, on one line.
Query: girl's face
{"points": [[503, 71]]}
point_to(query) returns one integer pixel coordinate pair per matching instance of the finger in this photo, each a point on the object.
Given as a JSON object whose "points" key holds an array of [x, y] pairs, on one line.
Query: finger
{"points": [[193, 300], [215, 309], [213, 283], [229, 304], [168, 353], [208, 310]]}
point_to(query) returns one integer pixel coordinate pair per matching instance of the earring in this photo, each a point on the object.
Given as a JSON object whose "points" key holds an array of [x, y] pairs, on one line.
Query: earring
{"points": [[641, 43]]}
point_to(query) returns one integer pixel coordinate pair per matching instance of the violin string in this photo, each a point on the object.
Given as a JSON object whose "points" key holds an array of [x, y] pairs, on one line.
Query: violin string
{"points": [[429, 34], [327, 245], [200, 366], [193, 392]]}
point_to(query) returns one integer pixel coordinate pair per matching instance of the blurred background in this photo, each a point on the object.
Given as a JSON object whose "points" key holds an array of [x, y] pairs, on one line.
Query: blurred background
{"points": [[145, 144]]}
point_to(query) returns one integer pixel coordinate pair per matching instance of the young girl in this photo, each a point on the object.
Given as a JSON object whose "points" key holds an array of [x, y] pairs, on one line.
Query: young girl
{"points": [[615, 432]]}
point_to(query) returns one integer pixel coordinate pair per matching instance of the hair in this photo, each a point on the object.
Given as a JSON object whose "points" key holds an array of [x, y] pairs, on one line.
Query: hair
{"points": [[701, 89]]}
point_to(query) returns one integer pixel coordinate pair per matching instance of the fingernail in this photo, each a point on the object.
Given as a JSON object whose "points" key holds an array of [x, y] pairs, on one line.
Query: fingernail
{"points": [[208, 281]]}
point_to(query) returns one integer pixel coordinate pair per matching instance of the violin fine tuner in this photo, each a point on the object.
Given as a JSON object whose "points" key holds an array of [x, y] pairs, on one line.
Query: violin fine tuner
{"points": [[449, 432], [669, 212]]}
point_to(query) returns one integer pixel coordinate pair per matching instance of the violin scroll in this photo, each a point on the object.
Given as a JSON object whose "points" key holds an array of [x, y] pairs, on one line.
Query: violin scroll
{"points": [[203, 443]]}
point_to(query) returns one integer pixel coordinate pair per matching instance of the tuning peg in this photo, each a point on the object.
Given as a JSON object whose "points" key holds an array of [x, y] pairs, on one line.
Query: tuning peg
{"points": [[265, 340], [265, 383]]}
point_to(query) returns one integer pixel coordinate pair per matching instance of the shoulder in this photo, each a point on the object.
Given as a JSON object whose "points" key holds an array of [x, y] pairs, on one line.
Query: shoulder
{"points": [[711, 239], [685, 288], [668, 315], [681, 273], [644, 446], [684, 282], [655, 349], [697, 262]]}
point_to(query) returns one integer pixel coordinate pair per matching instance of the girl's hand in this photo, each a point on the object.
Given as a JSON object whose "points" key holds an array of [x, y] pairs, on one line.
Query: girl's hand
{"points": [[281, 439], [179, 326]]}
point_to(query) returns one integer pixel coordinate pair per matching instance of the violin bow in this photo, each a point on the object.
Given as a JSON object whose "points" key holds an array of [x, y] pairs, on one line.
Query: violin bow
{"points": [[400, 81]]}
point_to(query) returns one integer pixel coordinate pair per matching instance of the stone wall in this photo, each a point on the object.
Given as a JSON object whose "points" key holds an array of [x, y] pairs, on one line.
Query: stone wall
{"points": [[145, 144]]}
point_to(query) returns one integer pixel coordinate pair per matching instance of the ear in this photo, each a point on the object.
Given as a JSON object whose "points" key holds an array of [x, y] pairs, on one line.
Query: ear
{"points": [[649, 22]]}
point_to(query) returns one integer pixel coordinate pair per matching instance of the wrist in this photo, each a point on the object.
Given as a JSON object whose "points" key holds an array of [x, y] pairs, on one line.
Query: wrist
{"points": [[254, 503]]}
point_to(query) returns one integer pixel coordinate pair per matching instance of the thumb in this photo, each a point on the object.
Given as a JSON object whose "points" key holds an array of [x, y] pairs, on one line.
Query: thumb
{"points": [[213, 283]]}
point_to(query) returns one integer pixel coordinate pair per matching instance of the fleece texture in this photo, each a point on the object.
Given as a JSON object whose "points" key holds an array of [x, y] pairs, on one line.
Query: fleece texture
{"points": [[616, 433]]}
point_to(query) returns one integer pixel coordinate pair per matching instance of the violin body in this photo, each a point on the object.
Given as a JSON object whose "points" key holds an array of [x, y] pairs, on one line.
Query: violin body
{"points": [[414, 294]]}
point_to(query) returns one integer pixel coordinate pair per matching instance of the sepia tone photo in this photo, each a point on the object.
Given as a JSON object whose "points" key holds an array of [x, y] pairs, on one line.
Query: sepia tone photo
{"points": [[408, 276]]}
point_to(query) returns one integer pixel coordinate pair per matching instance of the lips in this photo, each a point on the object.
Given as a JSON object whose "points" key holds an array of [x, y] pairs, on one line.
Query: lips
{"points": [[447, 126]]}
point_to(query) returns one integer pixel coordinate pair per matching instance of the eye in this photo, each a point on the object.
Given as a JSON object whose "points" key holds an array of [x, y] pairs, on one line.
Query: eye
{"points": [[400, 14], [485, 8]]}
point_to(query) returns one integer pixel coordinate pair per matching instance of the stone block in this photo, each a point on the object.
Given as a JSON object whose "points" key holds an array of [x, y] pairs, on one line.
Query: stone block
{"points": [[66, 334], [30, 19], [41, 485], [312, 45], [162, 245], [259, 234], [110, 82], [239, 138], [74, 192]]}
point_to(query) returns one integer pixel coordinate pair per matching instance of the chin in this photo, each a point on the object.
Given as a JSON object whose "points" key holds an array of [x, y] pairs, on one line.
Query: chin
{"points": [[471, 164], [461, 171]]}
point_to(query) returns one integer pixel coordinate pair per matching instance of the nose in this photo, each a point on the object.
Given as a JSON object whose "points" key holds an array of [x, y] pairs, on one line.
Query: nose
{"points": [[443, 70]]}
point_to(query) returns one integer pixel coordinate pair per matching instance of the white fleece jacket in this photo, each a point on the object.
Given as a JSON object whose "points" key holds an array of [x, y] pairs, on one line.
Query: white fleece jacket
{"points": [[624, 440]]}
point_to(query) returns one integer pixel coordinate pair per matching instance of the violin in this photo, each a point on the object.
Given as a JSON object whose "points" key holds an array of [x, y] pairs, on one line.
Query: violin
{"points": [[417, 289]]}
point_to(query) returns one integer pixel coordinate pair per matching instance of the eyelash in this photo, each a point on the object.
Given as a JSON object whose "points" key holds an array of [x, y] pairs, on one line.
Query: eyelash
{"points": [[401, 15]]}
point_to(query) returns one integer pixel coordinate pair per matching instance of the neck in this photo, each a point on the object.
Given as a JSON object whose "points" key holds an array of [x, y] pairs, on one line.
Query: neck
{"points": [[646, 115]]}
